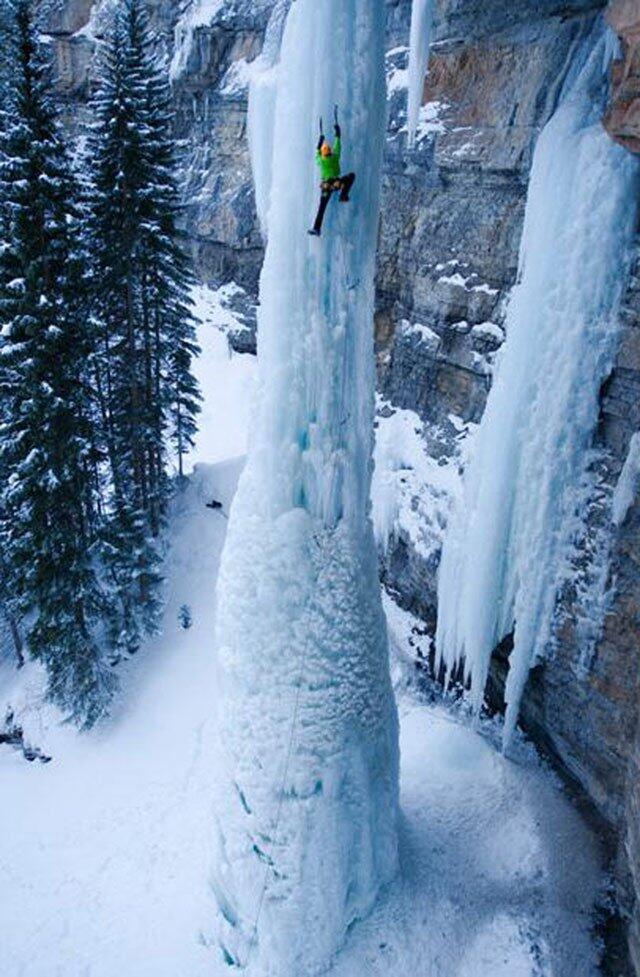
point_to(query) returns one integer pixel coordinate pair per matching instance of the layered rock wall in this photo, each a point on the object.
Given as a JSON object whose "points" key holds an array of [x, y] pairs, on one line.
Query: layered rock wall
{"points": [[622, 120]]}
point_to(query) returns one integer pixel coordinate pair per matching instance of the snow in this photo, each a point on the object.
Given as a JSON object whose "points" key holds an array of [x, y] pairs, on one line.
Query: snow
{"points": [[479, 894], [429, 120], [455, 279], [423, 333], [226, 408], [461, 281], [505, 550], [197, 13], [484, 287], [462, 326], [238, 77], [397, 79], [411, 492], [113, 879], [90, 29], [104, 852], [488, 330], [628, 484], [307, 827], [421, 18]]}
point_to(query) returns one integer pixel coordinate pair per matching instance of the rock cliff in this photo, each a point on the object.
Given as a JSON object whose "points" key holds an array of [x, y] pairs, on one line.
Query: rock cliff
{"points": [[453, 210], [622, 121]]}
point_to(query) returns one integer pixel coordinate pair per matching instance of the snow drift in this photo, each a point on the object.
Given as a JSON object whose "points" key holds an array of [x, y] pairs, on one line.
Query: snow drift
{"points": [[308, 724], [504, 551]]}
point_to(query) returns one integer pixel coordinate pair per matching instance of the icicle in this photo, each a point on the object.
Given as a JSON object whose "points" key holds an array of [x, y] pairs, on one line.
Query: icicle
{"points": [[421, 21], [628, 484], [508, 537], [262, 107]]}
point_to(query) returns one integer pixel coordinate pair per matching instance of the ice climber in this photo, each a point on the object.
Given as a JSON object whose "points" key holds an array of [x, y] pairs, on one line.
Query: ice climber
{"points": [[328, 160]]}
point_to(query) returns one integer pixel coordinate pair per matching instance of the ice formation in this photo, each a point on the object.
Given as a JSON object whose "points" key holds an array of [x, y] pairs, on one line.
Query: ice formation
{"points": [[628, 484], [196, 13], [421, 20], [262, 107], [307, 828], [506, 544]]}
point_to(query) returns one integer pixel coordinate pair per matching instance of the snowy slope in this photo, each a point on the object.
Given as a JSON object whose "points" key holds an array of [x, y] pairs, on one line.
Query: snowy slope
{"points": [[104, 854], [105, 851]]}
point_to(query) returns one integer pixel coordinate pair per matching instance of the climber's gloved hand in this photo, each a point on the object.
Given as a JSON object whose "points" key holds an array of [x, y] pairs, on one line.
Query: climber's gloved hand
{"points": [[337, 131]]}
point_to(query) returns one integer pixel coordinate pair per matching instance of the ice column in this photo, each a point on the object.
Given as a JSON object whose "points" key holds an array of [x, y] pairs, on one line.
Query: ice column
{"points": [[307, 825], [421, 21], [262, 106], [506, 544]]}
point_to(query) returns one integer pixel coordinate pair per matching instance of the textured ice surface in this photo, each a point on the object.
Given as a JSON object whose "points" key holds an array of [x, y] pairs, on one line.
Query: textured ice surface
{"points": [[506, 543], [308, 725], [421, 18], [263, 90]]}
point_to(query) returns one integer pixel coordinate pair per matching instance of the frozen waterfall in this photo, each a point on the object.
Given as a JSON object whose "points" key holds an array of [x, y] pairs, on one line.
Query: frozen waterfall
{"points": [[307, 828], [263, 90], [505, 547]]}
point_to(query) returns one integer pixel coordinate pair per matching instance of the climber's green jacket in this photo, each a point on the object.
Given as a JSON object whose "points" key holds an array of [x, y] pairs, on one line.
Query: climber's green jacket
{"points": [[329, 165]]}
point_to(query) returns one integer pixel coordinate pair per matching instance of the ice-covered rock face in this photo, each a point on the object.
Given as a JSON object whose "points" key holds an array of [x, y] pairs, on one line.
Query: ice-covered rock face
{"points": [[505, 553], [307, 828]]}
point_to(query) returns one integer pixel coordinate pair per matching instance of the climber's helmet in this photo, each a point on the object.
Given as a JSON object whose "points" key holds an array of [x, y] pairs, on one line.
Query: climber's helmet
{"points": [[326, 149]]}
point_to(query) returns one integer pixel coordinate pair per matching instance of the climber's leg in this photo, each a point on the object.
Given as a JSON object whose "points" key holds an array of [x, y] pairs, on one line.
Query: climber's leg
{"points": [[324, 203], [347, 183]]}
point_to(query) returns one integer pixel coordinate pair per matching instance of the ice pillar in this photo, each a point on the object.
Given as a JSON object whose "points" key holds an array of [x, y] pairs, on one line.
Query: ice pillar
{"points": [[307, 720]]}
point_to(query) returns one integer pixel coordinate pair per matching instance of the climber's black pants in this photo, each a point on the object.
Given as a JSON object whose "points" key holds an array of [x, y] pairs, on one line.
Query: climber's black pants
{"points": [[329, 187]]}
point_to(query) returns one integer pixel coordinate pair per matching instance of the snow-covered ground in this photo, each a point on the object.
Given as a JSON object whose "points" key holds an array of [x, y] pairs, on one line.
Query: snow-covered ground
{"points": [[105, 851]]}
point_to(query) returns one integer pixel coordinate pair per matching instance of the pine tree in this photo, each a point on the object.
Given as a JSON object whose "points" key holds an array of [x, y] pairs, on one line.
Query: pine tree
{"points": [[147, 393], [168, 279], [47, 490]]}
